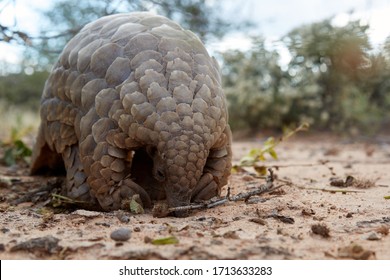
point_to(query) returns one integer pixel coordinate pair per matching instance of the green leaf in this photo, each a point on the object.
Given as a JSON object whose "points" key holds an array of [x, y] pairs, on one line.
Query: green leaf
{"points": [[9, 157], [260, 157], [165, 241], [22, 150], [261, 170], [273, 153], [254, 152], [15, 151], [269, 142], [387, 197], [247, 161], [237, 169], [256, 155], [135, 206]]}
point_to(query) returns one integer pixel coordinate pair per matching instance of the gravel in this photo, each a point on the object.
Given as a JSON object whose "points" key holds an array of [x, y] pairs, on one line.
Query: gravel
{"points": [[121, 234]]}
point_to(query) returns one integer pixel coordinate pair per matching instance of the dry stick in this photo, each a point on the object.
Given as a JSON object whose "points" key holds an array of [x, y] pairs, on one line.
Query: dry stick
{"points": [[287, 182], [329, 190], [40, 191], [268, 187], [67, 199], [322, 162]]}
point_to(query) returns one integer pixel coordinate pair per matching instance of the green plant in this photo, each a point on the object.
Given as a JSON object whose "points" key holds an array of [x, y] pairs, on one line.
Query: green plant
{"points": [[15, 149], [256, 156]]}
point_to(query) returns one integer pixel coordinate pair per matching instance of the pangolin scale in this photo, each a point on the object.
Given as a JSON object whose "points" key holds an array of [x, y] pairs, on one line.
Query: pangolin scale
{"points": [[134, 105]]}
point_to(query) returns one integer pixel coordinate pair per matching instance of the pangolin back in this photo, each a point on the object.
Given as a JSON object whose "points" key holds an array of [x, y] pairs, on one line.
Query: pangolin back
{"points": [[134, 105]]}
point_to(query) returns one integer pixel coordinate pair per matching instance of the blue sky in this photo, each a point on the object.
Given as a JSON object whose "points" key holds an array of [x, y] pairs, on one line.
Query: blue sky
{"points": [[274, 19]]}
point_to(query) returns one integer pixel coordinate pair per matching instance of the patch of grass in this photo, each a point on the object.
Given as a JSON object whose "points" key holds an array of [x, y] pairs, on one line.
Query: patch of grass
{"points": [[14, 152], [16, 126], [24, 119]]}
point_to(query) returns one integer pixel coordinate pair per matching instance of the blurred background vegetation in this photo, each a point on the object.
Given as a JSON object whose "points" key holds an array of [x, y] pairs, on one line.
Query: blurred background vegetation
{"points": [[335, 80]]}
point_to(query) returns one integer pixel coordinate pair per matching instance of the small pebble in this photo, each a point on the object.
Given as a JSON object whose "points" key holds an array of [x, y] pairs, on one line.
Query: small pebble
{"points": [[137, 229], [123, 218], [102, 224], [121, 234], [147, 239], [373, 236], [86, 213], [321, 229], [216, 242], [259, 221]]}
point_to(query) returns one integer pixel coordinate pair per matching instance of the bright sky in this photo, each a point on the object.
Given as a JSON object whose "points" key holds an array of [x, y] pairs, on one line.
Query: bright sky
{"points": [[274, 19]]}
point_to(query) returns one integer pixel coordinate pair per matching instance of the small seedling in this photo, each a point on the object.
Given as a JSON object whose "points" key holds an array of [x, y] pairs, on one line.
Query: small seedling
{"points": [[15, 149], [14, 152], [258, 155]]}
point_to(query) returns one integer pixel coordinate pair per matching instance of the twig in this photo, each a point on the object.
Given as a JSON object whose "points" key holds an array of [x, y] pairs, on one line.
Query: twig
{"points": [[67, 199], [262, 189], [188, 207], [342, 191], [290, 183], [65, 33], [268, 187], [39, 192], [329, 190]]}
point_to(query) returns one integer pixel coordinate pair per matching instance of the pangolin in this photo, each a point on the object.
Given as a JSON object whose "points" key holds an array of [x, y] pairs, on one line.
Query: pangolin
{"points": [[134, 105]]}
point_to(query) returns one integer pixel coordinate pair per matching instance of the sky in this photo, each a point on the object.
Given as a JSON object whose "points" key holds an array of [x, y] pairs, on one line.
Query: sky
{"points": [[272, 18], [276, 18]]}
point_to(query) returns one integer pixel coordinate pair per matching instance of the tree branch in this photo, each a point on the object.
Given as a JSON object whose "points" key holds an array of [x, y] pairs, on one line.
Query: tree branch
{"points": [[7, 35]]}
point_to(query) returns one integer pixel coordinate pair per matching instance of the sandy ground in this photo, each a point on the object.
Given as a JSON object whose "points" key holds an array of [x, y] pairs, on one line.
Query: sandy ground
{"points": [[305, 219]]}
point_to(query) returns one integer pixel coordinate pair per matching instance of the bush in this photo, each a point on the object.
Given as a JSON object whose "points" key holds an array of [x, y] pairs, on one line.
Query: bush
{"points": [[22, 89], [333, 82]]}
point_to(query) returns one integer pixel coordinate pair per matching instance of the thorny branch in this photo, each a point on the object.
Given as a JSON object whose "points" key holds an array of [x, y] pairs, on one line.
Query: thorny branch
{"points": [[267, 187]]}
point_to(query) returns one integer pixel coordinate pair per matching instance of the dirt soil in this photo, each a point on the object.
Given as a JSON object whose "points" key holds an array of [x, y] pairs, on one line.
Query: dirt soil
{"points": [[307, 218]]}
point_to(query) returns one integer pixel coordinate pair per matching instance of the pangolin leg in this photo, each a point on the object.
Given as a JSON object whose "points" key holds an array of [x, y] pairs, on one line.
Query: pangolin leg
{"points": [[76, 185], [206, 188], [216, 170], [109, 178]]}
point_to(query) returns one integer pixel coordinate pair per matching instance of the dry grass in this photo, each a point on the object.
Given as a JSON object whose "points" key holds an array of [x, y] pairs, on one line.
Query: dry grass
{"points": [[24, 121]]}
